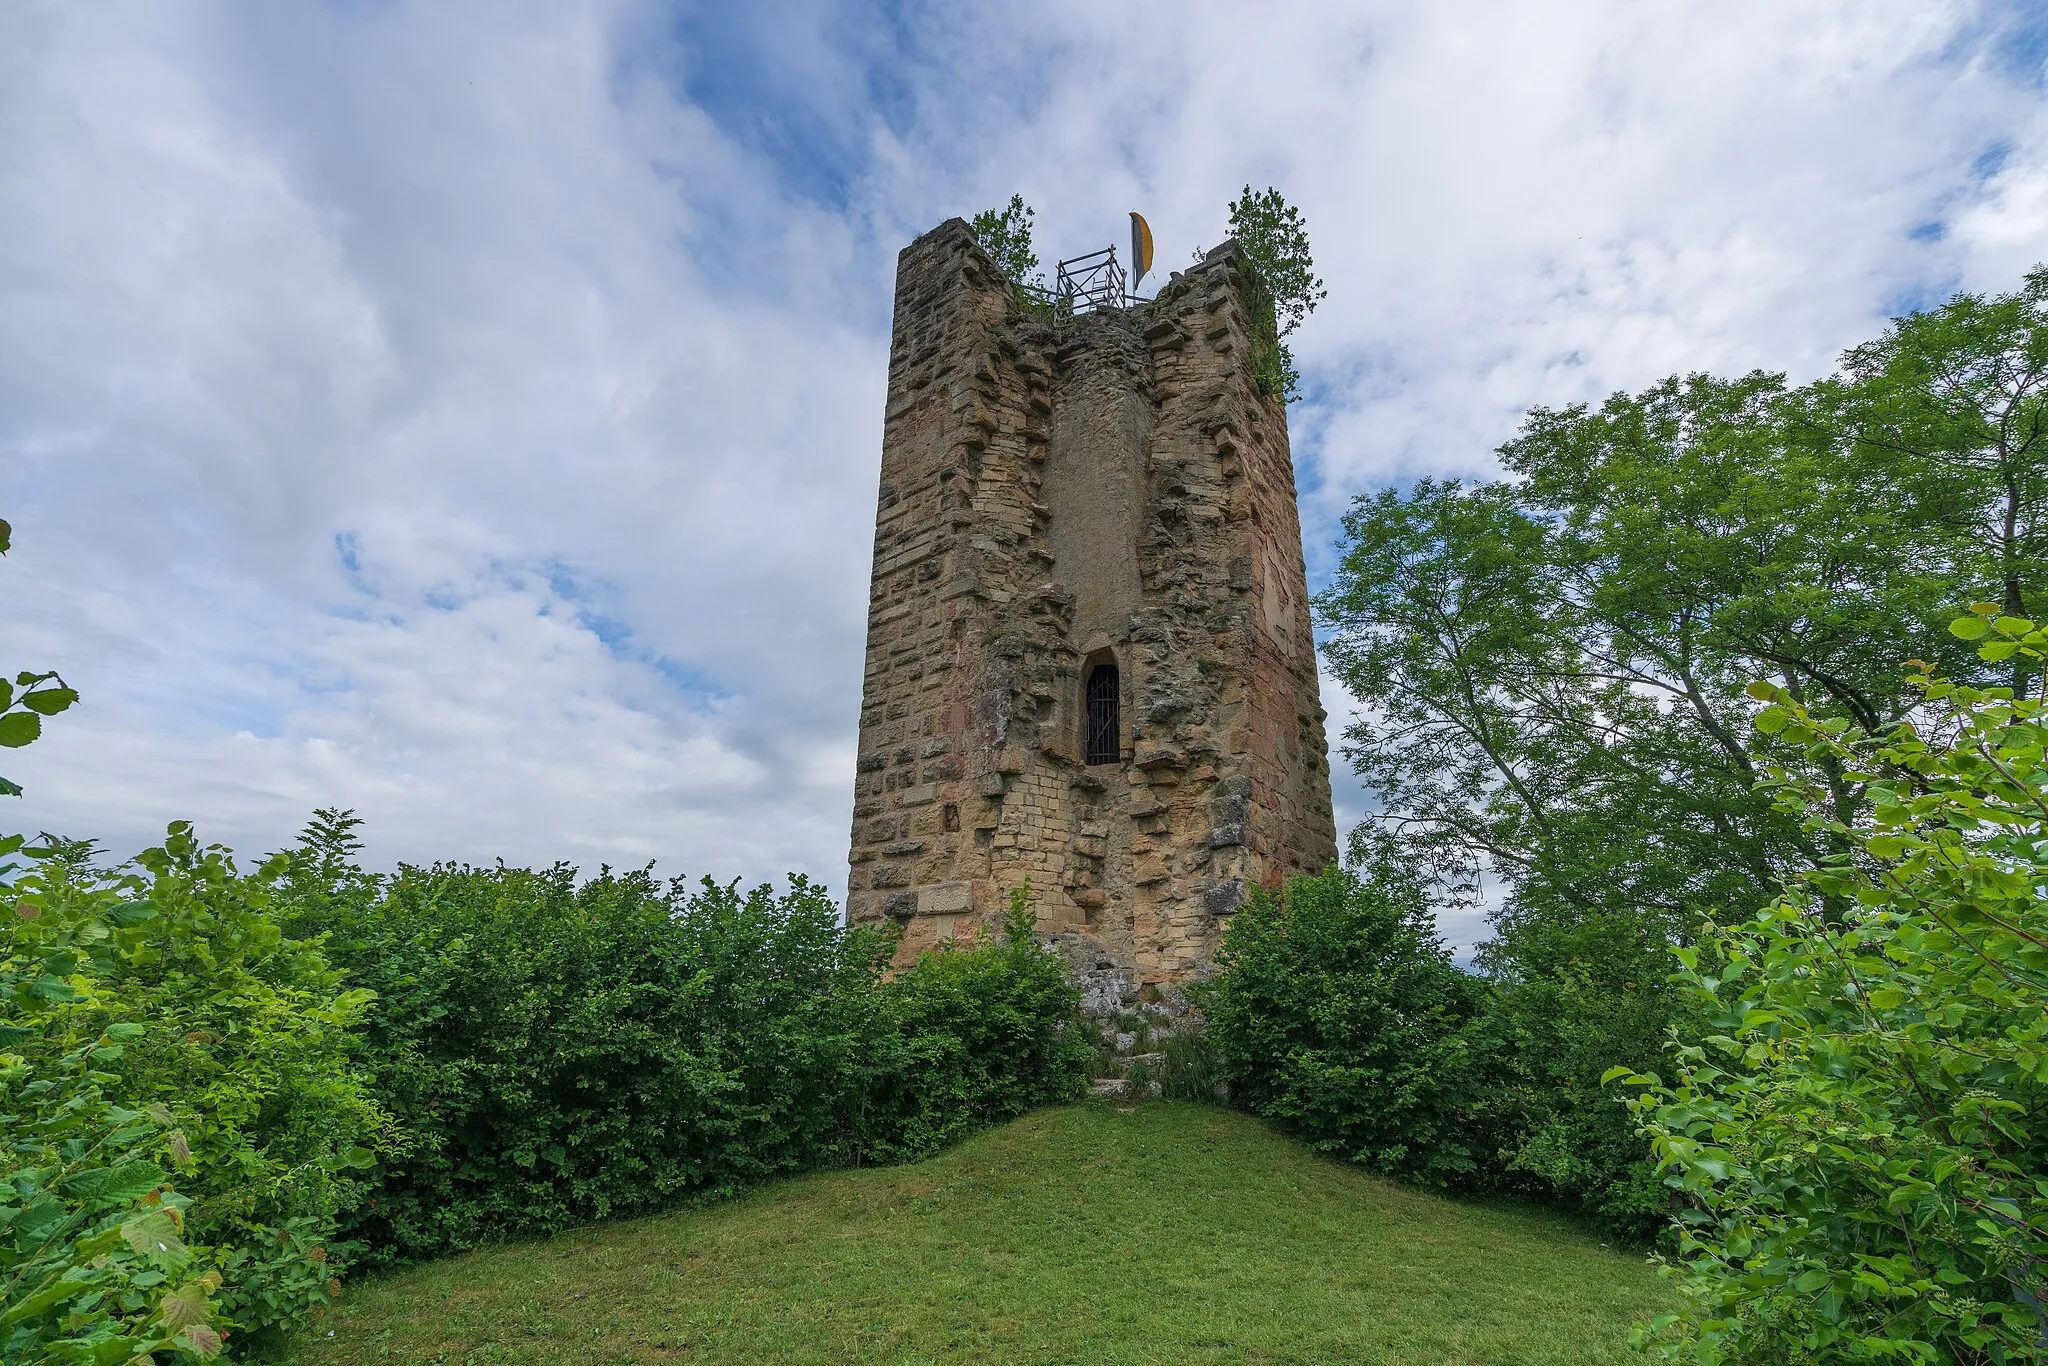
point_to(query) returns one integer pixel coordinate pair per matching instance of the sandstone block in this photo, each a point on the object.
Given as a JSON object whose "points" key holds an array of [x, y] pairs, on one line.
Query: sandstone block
{"points": [[949, 898]]}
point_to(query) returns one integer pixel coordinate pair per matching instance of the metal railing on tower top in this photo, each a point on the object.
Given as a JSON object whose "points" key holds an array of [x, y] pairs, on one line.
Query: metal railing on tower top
{"points": [[1084, 284], [1094, 281]]}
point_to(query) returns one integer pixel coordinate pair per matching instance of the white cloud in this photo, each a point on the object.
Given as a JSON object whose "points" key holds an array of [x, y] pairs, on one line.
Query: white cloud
{"points": [[570, 319]]}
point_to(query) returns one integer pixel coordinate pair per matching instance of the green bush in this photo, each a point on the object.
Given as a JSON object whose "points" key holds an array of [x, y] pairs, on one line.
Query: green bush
{"points": [[1283, 288], [1861, 1137], [92, 1235], [975, 1034], [562, 1052], [232, 1034], [1339, 1012], [1565, 1002]]}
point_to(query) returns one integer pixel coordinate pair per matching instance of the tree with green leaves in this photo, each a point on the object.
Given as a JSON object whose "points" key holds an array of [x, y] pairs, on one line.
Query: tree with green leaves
{"points": [[1554, 669], [1005, 234], [1272, 239], [28, 699], [1952, 406]]}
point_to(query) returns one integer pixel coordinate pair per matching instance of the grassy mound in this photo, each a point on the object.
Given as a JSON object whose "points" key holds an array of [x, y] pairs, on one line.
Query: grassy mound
{"points": [[1167, 1233]]}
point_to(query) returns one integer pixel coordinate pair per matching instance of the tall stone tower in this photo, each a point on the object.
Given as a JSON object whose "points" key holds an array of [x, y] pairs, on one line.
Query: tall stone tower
{"points": [[1089, 659]]}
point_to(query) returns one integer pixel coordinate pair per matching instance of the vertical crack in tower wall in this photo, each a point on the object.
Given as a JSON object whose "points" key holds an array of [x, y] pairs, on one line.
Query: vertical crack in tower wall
{"points": [[1111, 491]]}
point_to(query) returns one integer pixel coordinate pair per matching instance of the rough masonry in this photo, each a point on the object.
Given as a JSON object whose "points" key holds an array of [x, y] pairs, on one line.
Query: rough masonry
{"points": [[1060, 501]]}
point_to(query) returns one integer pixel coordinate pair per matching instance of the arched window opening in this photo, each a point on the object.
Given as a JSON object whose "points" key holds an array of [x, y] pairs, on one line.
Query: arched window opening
{"points": [[1105, 731]]}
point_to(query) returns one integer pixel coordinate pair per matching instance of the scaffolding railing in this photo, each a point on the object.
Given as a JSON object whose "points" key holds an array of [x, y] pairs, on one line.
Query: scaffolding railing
{"points": [[1084, 284], [1094, 281]]}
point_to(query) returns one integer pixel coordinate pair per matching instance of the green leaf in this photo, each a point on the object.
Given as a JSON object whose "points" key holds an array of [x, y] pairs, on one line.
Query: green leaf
{"points": [[51, 988], [154, 1235], [1969, 628], [120, 1185], [130, 913], [18, 728], [1887, 998], [35, 1222], [35, 1306], [186, 1306], [203, 1341], [49, 701]]}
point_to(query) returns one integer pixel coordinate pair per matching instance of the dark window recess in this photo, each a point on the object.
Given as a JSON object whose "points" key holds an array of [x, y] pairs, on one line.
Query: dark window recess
{"points": [[1104, 729]]}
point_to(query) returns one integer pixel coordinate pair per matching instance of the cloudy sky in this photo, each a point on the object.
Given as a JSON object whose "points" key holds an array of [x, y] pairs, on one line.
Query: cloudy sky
{"points": [[470, 413]]}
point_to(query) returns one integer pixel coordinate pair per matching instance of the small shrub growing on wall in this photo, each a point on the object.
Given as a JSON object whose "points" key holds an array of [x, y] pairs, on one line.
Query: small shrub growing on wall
{"points": [[1273, 240], [1005, 234]]}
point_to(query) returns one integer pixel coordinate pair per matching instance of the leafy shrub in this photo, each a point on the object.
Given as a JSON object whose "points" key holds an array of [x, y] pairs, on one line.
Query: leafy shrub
{"points": [[563, 1052], [1862, 1136], [231, 1032], [1273, 240], [977, 1034], [1339, 1012], [1005, 234], [1564, 1003], [91, 1233]]}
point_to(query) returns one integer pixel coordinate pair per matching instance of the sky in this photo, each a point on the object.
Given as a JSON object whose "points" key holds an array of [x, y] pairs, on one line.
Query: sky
{"points": [[470, 413]]}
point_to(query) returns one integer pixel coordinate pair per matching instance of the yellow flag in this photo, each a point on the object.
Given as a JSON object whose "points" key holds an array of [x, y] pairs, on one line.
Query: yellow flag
{"points": [[1141, 248]]}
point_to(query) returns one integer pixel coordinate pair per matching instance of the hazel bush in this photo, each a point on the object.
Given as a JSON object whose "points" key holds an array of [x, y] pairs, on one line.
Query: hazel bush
{"points": [[1860, 1139]]}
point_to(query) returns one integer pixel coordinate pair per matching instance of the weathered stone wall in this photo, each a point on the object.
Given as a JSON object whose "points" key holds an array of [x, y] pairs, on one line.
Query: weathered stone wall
{"points": [[1113, 488]]}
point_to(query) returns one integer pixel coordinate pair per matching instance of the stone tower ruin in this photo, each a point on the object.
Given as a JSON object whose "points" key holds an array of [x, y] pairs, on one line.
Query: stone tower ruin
{"points": [[1089, 658]]}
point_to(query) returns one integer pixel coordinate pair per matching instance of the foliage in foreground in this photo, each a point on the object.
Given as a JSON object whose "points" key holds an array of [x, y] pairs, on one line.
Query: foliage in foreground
{"points": [[1862, 1134], [91, 1233], [561, 1052], [94, 1266], [28, 699], [158, 1019]]}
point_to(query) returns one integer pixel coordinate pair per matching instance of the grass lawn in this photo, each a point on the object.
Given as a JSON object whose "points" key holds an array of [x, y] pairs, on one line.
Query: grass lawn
{"points": [[1165, 1233]]}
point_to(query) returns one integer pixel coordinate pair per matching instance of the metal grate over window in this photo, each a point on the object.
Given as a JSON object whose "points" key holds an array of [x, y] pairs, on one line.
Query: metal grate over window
{"points": [[1105, 739]]}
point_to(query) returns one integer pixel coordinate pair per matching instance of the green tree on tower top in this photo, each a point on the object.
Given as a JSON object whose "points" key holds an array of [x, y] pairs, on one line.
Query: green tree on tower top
{"points": [[1273, 240]]}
